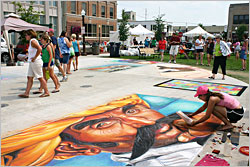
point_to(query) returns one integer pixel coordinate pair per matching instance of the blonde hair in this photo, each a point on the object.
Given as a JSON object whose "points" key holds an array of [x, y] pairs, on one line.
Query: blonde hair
{"points": [[45, 37], [73, 36], [36, 145]]}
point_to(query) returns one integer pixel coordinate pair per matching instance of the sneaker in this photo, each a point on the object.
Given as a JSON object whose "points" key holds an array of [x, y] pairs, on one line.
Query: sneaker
{"points": [[169, 61], [174, 62], [64, 79], [59, 74]]}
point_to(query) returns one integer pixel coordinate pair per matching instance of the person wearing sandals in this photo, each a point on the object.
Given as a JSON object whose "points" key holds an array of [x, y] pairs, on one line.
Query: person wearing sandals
{"points": [[199, 44], [71, 56], [225, 107], [210, 49], [221, 51], [244, 52], [77, 49], [35, 65], [64, 45], [57, 52], [48, 62]]}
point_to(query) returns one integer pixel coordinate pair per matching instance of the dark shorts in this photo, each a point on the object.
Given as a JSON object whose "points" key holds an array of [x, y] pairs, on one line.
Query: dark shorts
{"points": [[46, 64], [210, 53], [77, 54], [65, 59], [235, 115], [199, 50]]}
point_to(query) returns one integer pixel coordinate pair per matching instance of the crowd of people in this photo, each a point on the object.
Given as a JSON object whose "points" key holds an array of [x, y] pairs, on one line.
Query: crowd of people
{"points": [[216, 49], [46, 52]]}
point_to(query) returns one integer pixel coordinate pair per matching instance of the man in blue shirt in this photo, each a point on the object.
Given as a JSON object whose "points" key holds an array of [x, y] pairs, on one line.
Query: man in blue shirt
{"points": [[57, 53], [147, 42]]}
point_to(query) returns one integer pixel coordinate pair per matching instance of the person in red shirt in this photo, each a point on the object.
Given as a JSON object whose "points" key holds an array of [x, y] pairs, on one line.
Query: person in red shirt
{"points": [[174, 42], [162, 47]]}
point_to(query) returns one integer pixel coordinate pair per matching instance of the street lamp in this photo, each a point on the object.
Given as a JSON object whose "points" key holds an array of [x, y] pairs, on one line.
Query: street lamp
{"points": [[83, 34], [99, 34]]}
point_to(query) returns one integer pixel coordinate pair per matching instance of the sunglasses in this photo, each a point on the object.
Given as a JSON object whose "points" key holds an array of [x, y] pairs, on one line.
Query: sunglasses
{"points": [[199, 96]]}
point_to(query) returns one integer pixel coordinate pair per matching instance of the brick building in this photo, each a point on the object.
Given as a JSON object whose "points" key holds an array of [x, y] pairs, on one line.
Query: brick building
{"points": [[238, 14], [100, 18]]}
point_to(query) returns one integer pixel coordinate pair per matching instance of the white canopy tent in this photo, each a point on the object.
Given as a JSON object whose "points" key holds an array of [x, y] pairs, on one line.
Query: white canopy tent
{"points": [[140, 33], [198, 31]]}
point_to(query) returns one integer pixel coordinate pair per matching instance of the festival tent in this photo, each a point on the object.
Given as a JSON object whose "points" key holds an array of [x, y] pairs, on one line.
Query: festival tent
{"points": [[140, 33], [14, 23], [198, 31]]}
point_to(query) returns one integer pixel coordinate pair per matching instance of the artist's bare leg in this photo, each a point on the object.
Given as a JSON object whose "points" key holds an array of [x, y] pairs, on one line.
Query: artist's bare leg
{"points": [[221, 113]]}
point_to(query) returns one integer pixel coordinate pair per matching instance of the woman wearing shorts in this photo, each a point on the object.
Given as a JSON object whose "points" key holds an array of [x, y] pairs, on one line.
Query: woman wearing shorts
{"points": [[64, 45], [244, 52], [71, 57], [162, 47], [77, 49], [35, 65], [48, 62], [199, 44], [210, 50], [223, 106]]}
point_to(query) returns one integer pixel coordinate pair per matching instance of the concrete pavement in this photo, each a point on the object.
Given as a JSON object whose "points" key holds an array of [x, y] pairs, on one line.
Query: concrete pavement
{"points": [[87, 88]]}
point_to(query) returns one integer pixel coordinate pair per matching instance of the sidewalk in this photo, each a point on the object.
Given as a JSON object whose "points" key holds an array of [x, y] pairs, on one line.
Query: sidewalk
{"points": [[88, 88]]}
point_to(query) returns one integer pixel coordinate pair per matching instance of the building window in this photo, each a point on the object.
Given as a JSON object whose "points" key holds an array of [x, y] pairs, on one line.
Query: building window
{"points": [[54, 22], [236, 19], [111, 28], [144, 26], [42, 2], [52, 3], [42, 20], [247, 19], [94, 10], [73, 7], [133, 17], [106, 30], [90, 30], [103, 13], [84, 7], [153, 28], [111, 13], [241, 19]]}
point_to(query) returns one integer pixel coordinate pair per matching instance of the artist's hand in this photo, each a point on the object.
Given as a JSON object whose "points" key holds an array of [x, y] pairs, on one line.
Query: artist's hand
{"points": [[190, 115], [193, 123]]}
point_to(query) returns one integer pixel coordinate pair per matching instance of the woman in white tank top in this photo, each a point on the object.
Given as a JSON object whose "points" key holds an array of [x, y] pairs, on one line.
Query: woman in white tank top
{"points": [[35, 65]]}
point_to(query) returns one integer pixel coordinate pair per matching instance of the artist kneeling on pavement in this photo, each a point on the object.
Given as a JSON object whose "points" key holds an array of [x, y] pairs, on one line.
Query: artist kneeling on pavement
{"points": [[223, 106]]}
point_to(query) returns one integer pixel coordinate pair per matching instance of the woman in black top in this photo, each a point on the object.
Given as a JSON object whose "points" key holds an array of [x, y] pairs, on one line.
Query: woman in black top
{"points": [[210, 49]]}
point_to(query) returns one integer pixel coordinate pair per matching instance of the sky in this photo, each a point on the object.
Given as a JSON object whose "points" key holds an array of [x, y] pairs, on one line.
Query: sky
{"points": [[180, 12]]}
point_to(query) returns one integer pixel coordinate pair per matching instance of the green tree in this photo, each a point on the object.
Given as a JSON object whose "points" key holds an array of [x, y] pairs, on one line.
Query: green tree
{"points": [[29, 15], [123, 28], [240, 31], [159, 27], [201, 25]]}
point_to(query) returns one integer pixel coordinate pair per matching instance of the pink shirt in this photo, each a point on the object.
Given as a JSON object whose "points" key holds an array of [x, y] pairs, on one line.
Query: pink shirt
{"points": [[228, 101]]}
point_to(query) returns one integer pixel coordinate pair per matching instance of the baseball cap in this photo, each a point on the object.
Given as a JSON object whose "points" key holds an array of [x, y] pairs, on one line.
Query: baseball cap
{"points": [[218, 36], [201, 90], [51, 30]]}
